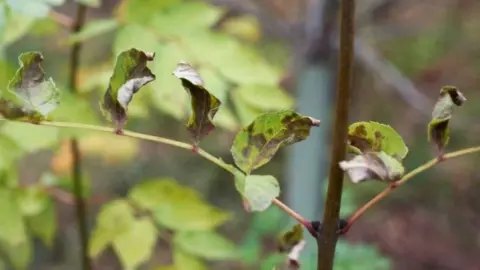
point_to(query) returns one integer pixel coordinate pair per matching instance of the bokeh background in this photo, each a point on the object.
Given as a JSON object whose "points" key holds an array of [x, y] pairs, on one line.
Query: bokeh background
{"points": [[255, 56]]}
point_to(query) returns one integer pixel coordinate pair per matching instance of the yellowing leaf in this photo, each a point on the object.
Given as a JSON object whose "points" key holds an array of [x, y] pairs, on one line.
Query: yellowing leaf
{"points": [[258, 190], [204, 105], [136, 245], [373, 136], [35, 95], [205, 244], [438, 128], [12, 227], [130, 74], [256, 144], [374, 166]]}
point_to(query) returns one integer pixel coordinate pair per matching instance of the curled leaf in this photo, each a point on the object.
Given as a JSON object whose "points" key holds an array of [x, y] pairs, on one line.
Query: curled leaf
{"points": [[376, 137], [204, 104], [256, 144], [374, 166], [292, 242], [130, 74], [438, 129], [31, 95]]}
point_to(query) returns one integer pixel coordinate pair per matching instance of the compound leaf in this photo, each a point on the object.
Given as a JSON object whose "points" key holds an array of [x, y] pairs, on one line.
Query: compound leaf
{"points": [[130, 74], [256, 144], [438, 128], [204, 104], [376, 137]]}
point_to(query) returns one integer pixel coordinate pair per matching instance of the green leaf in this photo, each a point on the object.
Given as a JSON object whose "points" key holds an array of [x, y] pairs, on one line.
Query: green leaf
{"points": [[206, 244], [30, 138], [256, 144], [44, 224], [258, 190], [140, 11], [144, 40], [438, 128], [16, 25], [114, 219], [34, 8], [265, 97], [93, 29], [12, 227], [171, 99], [18, 255], [90, 3], [184, 261], [32, 200], [272, 262], [136, 245], [373, 166], [176, 207], [377, 137], [130, 74], [10, 153], [37, 95], [204, 105], [193, 15]]}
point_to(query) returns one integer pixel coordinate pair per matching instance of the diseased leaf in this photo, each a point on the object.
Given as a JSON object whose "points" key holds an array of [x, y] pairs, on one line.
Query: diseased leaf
{"points": [[438, 128], [34, 96], [256, 144], [136, 245], [292, 242], [374, 166], [44, 224], [93, 29], [258, 190], [12, 227], [205, 244], [114, 219], [130, 74], [204, 105], [376, 137]]}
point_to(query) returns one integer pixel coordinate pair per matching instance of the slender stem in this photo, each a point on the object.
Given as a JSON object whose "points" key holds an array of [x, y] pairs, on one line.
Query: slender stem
{"points": [[404, 179], [327, 239], [80, 204], [182, 145]]}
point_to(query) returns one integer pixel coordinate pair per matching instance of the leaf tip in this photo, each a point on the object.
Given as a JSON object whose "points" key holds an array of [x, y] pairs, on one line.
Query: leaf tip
{"points": [[315, 122]]}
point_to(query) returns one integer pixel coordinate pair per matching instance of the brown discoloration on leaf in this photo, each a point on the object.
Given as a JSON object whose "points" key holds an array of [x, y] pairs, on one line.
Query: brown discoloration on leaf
{"points": [[204, 105], [256, 144]]}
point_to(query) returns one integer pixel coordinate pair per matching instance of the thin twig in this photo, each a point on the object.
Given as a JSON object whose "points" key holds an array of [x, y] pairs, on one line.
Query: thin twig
{"points": [[80, 205], [404, 179], [327, 239], [228, 167]]}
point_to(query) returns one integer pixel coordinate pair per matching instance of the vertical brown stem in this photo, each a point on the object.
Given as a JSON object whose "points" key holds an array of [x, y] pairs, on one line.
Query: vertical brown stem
{"points": [[80, 205], [327, 239]]}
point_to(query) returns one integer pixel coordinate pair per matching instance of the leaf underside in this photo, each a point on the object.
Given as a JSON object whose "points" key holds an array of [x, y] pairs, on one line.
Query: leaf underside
{"points": [[130, 74]]}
